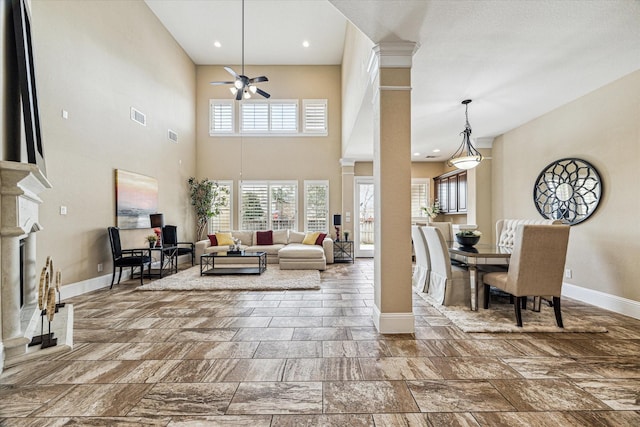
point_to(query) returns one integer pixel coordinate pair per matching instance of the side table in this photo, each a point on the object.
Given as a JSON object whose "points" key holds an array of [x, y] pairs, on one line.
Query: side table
{"points": [[343, 251]]}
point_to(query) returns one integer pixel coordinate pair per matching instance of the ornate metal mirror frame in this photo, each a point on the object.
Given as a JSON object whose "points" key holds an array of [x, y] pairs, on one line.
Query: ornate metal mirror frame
{"points": [[569, 190]]}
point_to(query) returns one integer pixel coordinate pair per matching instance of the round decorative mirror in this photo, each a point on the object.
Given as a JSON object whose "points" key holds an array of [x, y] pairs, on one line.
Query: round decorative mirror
{"points": [[568, 190]]}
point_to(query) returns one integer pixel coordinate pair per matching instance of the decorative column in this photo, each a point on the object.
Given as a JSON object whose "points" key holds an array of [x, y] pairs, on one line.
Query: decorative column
{"points": [[348, 187], [391, 72]]}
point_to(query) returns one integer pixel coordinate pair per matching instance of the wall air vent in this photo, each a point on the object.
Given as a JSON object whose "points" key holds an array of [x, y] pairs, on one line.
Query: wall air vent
{"points": [[172, 135], [138, 116]]}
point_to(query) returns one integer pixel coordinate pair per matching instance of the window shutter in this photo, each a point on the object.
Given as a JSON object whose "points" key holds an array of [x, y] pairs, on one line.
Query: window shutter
{"points": [[315, 116], [254, 205], [283, 206], [316, 194], [222, 222], [419, 198], [284, 116], [221, 116], [255, 116]]}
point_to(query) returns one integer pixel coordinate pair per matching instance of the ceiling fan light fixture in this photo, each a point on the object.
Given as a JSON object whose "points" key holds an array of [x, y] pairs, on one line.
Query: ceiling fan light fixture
{"points": [[253, 89], [233, 90], [246, 94], [466, 156], [238, 84]]}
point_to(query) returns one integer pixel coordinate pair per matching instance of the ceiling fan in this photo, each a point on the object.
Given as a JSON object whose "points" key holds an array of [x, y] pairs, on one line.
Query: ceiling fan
{"points": [[244, 86]]}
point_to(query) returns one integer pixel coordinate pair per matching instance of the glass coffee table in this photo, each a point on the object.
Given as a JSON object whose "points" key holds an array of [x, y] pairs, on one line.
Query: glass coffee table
{"points": [[242, 263]]}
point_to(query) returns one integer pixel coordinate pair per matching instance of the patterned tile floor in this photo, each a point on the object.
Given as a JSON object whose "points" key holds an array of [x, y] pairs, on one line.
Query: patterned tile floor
{"points": [[291, 358]]}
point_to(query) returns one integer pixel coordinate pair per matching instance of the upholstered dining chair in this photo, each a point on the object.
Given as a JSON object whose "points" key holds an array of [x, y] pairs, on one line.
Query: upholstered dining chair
{"points": [[170, 238], [422, 269], [536, 267], [448, 284], [126, 257]]}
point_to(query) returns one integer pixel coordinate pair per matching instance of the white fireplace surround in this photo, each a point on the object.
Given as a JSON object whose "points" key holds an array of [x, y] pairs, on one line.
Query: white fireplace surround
{"points": [[20, 186]]}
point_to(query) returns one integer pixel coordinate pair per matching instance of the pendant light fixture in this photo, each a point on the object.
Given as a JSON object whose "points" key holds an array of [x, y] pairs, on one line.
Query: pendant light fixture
{"points": [[466, 157]]}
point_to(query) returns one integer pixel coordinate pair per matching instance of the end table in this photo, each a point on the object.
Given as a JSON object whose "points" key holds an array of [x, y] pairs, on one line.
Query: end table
{"points": [[343, 251]]}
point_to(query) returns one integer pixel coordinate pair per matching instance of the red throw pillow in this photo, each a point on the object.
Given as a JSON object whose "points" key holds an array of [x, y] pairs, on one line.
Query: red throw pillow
{"points": [[320, 238], [213, 240], [264, 237]]}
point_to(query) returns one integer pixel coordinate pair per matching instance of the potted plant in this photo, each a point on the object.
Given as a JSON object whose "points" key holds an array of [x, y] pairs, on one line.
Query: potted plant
{"points": [[207, 198], [468, 237], [152, 239], [433, 210]]}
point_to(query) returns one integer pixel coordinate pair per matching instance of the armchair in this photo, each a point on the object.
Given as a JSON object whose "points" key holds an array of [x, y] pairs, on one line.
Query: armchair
{"points": [[170, 238], [126, 257], [536, 267]]}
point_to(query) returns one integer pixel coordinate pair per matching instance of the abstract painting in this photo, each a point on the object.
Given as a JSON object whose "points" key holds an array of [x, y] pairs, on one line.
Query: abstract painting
{"points": [[136, 198]]}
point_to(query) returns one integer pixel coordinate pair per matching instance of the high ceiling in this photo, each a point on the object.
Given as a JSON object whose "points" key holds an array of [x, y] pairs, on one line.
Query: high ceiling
{"points": [[516, 59]]}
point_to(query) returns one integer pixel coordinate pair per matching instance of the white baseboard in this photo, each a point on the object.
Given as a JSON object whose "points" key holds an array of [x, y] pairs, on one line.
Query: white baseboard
{"points": [[74, 289], [393, 323], [610, 302]]}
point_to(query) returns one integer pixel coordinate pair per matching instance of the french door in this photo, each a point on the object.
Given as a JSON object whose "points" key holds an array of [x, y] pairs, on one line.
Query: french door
{"points": [[364, 220]]}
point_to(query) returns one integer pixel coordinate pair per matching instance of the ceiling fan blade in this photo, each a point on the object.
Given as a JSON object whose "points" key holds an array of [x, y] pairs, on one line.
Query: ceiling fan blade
{"points": [[220, 83], [259, 79], [239, 95], [263, 93], [230, 71]]}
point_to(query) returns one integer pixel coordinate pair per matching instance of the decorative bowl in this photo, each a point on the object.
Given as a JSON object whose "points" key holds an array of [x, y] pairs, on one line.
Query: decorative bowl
{"points": [[467, 240]]}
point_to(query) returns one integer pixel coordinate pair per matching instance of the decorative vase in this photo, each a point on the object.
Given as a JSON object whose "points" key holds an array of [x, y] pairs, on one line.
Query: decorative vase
{"points": [[467, 240]]}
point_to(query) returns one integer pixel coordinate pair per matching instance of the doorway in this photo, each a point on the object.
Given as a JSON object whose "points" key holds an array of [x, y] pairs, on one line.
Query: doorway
{"points": [[364, 209]]}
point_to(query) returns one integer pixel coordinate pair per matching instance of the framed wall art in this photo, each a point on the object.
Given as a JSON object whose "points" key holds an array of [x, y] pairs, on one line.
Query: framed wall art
{"points": [[136, 199]]}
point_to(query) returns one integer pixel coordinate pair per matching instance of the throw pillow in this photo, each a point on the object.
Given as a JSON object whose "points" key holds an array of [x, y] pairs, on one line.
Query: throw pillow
{"points": [[296, 237], [320, 238], [264, 237], [213, 240], [310, 238], [224, 239]]}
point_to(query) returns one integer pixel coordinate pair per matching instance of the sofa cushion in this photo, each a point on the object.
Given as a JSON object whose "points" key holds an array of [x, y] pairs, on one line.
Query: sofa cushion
{"points": [[269, 249], [246, 237], [212, 239], [296, 237], [301, 251], [224, 239], [264, 237], [280, 237], [310, 238]]}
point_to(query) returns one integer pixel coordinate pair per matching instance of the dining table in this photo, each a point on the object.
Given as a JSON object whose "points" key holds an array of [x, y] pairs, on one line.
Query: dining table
{"points": [[478, 256]]}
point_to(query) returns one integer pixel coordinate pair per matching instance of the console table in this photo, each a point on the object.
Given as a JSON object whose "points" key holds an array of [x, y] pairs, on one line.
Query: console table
{"points": [[343, 251]]}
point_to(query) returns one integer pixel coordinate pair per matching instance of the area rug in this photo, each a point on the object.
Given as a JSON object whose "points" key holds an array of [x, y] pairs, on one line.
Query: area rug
{"points": [[272, 279], [500, 317]]}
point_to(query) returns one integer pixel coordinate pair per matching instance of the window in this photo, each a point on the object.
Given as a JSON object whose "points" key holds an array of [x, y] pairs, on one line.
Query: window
{"points": [[316, 206], [223, 222], [419, 197], [264, 117], [268, 205], [221, 116], [315, 116]]}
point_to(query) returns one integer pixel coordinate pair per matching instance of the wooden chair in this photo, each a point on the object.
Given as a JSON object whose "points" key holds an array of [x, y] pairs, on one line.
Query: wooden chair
{"points": [[126, 257], [536, 267], [422, 268], [448, 285]]}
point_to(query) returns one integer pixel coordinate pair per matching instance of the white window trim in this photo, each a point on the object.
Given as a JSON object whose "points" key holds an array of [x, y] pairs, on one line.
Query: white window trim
{"points": [[269, 185], [427, 182], [306, 185], [309, 132], [212, 103], [228, 183]]}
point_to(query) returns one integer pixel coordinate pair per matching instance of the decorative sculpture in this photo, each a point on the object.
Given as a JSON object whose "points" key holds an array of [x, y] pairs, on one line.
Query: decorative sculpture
{"points": [[47, 304]]}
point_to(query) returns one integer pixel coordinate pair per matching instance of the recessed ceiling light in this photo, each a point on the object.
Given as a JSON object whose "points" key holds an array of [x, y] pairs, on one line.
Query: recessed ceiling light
{"points": [[416, 154], [217, 43], [305, 43], [437, 150]]}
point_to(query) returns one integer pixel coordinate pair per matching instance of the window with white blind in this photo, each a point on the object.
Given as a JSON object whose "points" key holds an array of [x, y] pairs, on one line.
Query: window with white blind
{"points": [[316, 206], [314, 116], [268, 205], [223, 221], [221, 116], [265, 117], [284, 116], [419, 197]]}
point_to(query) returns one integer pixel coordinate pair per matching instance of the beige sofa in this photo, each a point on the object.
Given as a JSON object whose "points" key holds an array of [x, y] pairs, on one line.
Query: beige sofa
{"points": [[287, 250]]}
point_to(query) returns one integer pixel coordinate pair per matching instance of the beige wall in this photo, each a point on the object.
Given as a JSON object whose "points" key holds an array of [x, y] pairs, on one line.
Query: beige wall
{"points": [[273, 158], [603, 128], [96, 59]]}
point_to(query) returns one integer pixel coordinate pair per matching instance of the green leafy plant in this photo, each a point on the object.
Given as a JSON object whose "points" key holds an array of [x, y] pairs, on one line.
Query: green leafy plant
{"points": [[433, 210], [207, 199], [152, 238], [469, 233]]}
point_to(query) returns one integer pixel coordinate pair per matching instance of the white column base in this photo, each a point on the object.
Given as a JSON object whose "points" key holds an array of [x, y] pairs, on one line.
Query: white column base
{"points": [[393, 323]]}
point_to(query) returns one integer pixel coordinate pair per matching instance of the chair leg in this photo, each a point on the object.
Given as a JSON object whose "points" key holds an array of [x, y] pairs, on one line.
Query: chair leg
{"points": [[517, 306], [113, 275], [536, 304], [523, 302], [141, 273], [556, 309], [487, 292]]}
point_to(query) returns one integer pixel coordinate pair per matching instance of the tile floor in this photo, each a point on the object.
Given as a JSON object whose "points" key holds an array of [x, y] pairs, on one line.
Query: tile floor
{"points": [[314, 358]]}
